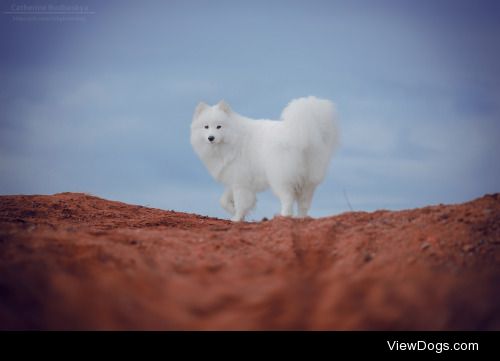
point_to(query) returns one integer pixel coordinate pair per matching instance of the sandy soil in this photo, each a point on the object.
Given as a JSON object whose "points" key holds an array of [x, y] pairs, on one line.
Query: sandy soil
{"points": [[74, 261]]}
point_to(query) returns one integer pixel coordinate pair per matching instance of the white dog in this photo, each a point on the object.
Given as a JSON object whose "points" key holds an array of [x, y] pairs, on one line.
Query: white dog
{"points": [[291, 156]]}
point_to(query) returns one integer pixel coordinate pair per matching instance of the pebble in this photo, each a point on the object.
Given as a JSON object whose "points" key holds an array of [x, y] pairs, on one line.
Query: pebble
{"points": [[425, 246], [467, 247], [368, 257]]}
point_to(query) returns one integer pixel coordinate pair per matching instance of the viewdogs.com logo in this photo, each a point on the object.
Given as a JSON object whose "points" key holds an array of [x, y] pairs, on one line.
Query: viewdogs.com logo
{"points": [[48, 12], [437, 347]]}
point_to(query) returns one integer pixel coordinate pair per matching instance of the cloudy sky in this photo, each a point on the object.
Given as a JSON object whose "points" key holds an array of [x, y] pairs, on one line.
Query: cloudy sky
{"points": [[101, 102]]}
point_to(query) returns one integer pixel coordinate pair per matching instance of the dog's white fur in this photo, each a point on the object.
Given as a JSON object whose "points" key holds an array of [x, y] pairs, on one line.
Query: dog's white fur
{"points": [[291, 156]]}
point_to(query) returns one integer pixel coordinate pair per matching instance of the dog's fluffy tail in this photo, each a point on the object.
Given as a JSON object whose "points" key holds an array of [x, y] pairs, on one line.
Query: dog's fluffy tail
{"points": [[313, 124]]}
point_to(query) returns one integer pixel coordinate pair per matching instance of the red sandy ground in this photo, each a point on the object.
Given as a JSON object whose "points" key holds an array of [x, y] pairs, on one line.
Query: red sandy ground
{"points": [[74, 261]]}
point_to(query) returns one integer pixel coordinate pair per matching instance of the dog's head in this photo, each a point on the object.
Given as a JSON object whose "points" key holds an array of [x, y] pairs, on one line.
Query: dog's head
{"points": [[211, 124]]}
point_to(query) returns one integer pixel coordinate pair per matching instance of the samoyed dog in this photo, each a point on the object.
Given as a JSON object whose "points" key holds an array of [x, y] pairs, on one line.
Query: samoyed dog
{"points": [[291, 156]]}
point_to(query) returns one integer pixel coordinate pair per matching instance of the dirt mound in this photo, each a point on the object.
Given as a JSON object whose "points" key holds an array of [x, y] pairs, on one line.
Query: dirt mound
{"points": [[74, 261]]}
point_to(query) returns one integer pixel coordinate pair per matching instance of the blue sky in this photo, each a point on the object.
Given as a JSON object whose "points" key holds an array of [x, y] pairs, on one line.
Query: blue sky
{"points": [[103, 104]]}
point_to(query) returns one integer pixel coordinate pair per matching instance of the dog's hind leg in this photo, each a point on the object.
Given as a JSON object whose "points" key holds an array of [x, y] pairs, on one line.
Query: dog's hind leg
{"points": [[244, 201], [304, 199], [287, 199], [227, 201]]}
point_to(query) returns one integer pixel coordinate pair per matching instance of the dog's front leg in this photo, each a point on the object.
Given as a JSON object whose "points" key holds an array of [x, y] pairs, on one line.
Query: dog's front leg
{"points": [[244, 201], [227, 201]]}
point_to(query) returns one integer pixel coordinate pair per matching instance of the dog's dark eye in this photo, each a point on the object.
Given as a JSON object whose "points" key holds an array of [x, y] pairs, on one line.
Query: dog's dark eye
{"points": [[206, 126], [218, 127]]}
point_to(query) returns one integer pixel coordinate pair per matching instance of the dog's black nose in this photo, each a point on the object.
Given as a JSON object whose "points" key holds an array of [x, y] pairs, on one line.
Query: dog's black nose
{"points": [[211, 138]]}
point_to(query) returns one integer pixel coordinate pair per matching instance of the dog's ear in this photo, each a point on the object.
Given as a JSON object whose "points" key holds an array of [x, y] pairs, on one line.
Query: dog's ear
{"points": [[200, 108], [224, 107]]}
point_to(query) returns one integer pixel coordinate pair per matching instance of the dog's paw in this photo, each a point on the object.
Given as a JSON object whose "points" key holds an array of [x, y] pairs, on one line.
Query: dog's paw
{"points": [[302, 217]]}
